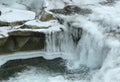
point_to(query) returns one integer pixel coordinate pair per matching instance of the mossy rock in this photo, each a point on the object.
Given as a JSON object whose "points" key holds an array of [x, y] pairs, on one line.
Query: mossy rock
{"points": [[46, 17]]}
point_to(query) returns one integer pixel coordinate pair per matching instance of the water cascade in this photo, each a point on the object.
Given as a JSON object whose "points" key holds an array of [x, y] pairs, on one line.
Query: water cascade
{"points": [[89, 44], [64, 41], [79, 45]]}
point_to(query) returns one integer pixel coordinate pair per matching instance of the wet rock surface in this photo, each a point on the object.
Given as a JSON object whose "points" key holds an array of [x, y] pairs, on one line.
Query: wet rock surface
{"points": [[29, 34], [12, 67], [46, 17], [71, 9], [2, 41], [14, 44], [3, 23]]}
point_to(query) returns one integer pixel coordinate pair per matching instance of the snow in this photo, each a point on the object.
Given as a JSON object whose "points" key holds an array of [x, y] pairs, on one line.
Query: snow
{"points": [[54, 4], [26, 55], [107, 16], [46, 27], [40, 24], [18, 6], [97, 25], [4, 31], [13, 15]]}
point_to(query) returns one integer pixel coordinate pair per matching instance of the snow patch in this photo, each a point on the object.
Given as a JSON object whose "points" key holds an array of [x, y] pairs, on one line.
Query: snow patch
{"points": [[13, 15], [4, 31]]}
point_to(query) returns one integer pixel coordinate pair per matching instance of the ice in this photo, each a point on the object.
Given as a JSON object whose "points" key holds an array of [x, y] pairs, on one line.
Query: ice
{"points": [[98, 48]]}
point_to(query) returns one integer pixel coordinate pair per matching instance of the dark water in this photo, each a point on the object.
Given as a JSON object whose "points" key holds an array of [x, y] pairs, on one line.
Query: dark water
{"points": [[12, 67], [43, 67]]}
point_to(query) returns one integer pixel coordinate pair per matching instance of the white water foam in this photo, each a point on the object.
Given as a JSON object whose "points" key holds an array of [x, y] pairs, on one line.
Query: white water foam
{"points": [[40, 75], [97, 48]]}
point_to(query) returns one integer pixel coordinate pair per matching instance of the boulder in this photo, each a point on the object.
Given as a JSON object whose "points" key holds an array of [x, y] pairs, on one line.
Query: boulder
{"points": [[47, 16], [12, 67], [71, 9]]}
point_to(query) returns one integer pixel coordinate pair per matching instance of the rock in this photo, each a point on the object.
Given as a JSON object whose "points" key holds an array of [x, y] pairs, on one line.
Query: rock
{"points": [[13, 17], [75, 32], [26, 33], [31, 27], [47, 16], [22, 40], [34, 43], [71, 9], [16, 23], [3, 40], [30, 36], [3, 23], [12, 67], [0, 13], [14, 44], [36, 24], [58, 11]]}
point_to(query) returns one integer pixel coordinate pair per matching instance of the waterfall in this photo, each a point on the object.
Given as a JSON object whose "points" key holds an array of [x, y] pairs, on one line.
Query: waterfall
{"points": [[89, 45], [79, 47], [92, 51], [62, 41]]}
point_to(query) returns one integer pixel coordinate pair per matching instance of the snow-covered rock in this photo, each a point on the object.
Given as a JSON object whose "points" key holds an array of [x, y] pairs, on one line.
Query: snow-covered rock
{"points": [[26, 35], [13, 17], [36, 24]]}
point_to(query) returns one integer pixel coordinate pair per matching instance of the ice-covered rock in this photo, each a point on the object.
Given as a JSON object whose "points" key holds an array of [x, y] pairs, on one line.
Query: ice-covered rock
{"points": [[13, 17]]}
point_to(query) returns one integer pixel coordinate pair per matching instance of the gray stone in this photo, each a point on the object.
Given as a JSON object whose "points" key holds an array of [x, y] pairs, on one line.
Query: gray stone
{"points": [[46, 17]]}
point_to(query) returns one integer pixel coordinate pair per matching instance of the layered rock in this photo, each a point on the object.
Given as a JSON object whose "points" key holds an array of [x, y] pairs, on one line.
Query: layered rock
{"points": [[25, 33], [12, 67]]}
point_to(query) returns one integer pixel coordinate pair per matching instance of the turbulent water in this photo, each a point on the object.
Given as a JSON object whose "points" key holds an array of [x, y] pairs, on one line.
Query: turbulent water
{"points": [[94, 57]]}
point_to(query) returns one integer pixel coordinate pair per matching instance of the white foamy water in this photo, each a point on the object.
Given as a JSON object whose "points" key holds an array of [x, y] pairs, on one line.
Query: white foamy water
{"points": [[98, 49], [41, 75]]}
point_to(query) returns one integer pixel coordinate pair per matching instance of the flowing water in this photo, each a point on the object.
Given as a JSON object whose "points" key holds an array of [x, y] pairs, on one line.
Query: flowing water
{"points": [[90, 55], [92, 58]]}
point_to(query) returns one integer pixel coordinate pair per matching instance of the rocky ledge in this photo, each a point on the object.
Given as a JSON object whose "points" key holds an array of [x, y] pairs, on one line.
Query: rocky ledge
{"points": [[19, 30], [13, 67]]}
